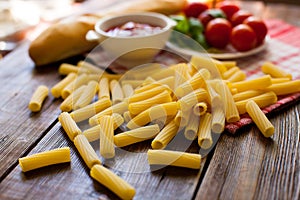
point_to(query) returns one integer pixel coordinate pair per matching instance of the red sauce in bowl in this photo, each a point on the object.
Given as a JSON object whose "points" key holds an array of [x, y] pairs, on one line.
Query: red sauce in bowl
{"points": [[130, 29]]}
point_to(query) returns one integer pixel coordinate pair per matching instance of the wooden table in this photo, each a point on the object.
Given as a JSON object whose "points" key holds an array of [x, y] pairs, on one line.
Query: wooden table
{"points": [[243, 166]]}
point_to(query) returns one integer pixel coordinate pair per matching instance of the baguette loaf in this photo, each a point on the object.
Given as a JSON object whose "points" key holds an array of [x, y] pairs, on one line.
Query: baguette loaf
{"points": [[66, 39]]}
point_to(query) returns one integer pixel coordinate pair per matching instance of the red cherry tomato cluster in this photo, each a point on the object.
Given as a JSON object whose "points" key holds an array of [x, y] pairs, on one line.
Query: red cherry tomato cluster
{"points": [[228, 24]]}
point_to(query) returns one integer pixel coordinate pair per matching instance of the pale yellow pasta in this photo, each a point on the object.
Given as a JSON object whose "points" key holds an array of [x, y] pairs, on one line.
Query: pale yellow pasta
{"points": [[65, 69], [182, 117], [262, 101], [136, 135], [141, 72], [246, 95], [148, 80], [133, 83], [46, 158], [165, 136], [90, 110], [169, 81], [279, 80], [230, 72], [116, 92], [229, 64], [237, 76], [197, 81], [200, 108], [86, 151], [174, 158], [38, 97], [191, 128], [161, 122], [92, 69], [218, 119], [82, 79], [68, 104], [253, 84], [107, 149], [138, 107], [215, 67], [119, 108], [191, 99], [97, 77], [260, 119], [163, 73], [155, 112], [69, 125], [233, 91], [104, 91], [180, 74], [285, 87], [275, 71], [148, 94], [214, 97], [127, 116], [57, 88], [127, 90], [113, 182], [204, 132], [93, 133], [87, 95]]}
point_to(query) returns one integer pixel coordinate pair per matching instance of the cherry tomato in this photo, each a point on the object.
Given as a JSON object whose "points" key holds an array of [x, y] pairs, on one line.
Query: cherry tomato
{"points": [[243, 38], [238, 17], [258, 26], [210, 14], [195, 9], [217, 32], [228, 8]]}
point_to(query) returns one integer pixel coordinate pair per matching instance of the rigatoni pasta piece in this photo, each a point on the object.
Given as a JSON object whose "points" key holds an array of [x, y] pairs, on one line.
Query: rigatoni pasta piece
{"points": [[260, 119], [38, 97], [200, 108], [180, 74], [136, 135], [228, 64], [165, 136], [285, 87], [214, 97], [204, 132], [119, 108], [90, 110], [275, 71], [148, 93], [230, 72], [116, 92], [148, 80], [113, 182], [92, 69], [82, 79], [68, 104], [57, 88], [133, 83], [86, 151], [246, 95], [87, 95], [138, 107], [279, 80], [253, 84], [163, 73], [237, 76], [107, 149], [65, 69], [174, 158], [69, 125], [191, 99], [104, 91], [182, 117], [127, 90], [191, 129], [262, 101], [155, 112], [46, 158], [215, 67], [127, 116], [218, 119]]}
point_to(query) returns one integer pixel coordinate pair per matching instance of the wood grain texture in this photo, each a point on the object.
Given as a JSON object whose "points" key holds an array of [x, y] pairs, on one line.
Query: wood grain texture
{"points": [[249, 166], [72, 181]]}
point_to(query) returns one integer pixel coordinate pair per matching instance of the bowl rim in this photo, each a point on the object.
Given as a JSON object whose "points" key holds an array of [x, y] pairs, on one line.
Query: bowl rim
{"points": [[169, 23]]}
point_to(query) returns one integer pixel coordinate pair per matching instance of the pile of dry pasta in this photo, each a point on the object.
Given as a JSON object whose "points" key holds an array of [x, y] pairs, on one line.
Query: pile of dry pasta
{"points": [[196, 98]]}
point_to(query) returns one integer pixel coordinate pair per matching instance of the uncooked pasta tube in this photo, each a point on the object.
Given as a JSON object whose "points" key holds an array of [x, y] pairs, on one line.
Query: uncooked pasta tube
{"points": [[117, 95], [253, 84], [192, 127], [246, 95], [174, 158], [104, 91], [165, 136], [285, 87], [191, 99], [38, 98], [69, 125], [46, 158], [57, 88], [113, 182], [127, 90], [275, 71], [204, 132], [107, 149], [76, 83], [68, 104], [92, 69], [86, 151], [87, 95], [260, 119]]}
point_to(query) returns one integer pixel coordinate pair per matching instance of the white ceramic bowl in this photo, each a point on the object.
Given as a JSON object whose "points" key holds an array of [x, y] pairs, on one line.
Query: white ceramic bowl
{"points": [[132, 50]]}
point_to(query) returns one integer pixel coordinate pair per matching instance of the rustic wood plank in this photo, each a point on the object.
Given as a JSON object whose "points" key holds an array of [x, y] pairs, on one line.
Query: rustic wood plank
{"points": [[20, 128], [72, 181], [249, 166]]}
